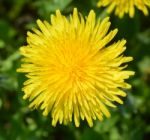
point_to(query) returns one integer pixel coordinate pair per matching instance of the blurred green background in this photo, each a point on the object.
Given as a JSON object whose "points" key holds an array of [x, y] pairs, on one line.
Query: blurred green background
{"points": [[130, 121]]}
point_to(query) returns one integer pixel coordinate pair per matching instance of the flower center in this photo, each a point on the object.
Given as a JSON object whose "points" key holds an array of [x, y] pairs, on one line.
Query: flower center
{"points": [[75, 71]]}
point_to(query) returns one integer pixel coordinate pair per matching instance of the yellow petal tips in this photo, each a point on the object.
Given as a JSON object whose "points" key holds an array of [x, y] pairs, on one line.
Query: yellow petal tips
{"points": [[122, 7]]}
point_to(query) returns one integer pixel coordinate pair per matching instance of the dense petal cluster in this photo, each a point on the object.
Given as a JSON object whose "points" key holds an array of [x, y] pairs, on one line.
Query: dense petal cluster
{"points": [[72, 71], [125, 6]]}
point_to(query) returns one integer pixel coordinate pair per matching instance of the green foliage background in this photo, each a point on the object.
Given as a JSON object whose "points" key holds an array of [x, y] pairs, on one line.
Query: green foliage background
{"points": [[130, 121]]}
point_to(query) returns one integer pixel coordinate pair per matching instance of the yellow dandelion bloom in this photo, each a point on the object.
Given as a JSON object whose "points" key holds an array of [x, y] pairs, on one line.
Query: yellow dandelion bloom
{"points": [[125, 6], [72, 71]]}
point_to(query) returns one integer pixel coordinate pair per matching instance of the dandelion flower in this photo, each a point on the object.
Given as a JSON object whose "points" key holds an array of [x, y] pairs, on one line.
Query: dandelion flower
{"points": [[125, 6], [72, 71]]}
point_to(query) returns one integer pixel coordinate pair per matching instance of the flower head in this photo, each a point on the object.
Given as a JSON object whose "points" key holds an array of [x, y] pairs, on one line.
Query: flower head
{"points": [[72, 71], [125, 6]]}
